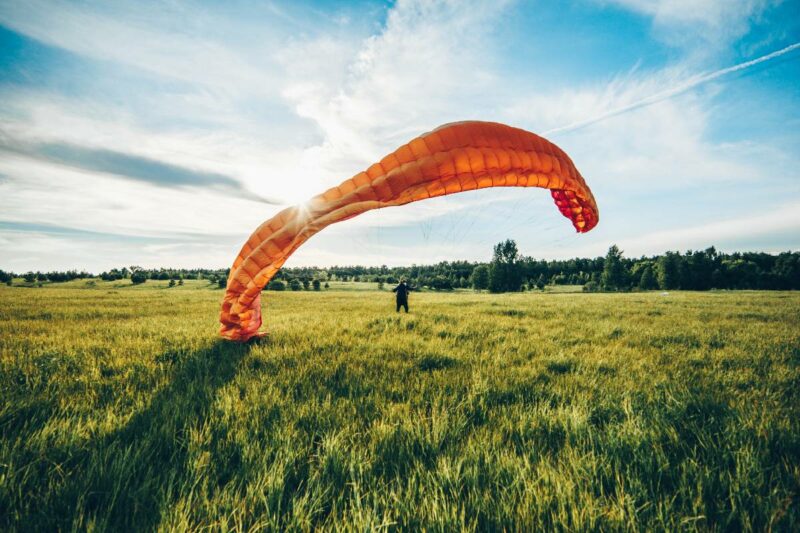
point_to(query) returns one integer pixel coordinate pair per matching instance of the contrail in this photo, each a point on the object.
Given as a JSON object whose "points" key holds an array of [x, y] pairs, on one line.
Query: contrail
{"points": [[691, 83]]}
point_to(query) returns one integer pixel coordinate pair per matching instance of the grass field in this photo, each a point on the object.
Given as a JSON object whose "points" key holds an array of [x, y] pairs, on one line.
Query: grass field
{"points": [[121, 409]]}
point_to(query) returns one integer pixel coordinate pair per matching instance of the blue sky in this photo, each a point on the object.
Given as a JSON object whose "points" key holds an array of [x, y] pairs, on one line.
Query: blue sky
{"points": [[162, 134]]}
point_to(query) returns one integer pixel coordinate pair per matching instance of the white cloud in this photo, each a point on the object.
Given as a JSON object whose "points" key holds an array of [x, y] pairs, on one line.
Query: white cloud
{"points": [[662, 146], [51, 194], [669, 88], [702, 24], [728, 233], [150, 37], [338, 99], [429, 63], [39, 250]]}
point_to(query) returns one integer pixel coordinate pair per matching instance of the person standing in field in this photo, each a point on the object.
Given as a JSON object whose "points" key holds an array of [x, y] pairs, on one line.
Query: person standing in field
{"points": [[401, 292]]}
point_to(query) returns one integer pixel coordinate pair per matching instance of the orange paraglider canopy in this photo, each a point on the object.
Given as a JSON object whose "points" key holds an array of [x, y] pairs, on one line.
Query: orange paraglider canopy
{"points": [[453, 158]]}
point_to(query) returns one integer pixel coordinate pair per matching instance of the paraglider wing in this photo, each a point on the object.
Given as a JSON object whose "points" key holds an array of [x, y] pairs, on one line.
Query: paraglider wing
{"points": [[453, 158]]}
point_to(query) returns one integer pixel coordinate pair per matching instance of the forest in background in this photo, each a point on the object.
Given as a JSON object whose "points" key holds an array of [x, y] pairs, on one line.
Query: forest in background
{"points": [[508, 271]]}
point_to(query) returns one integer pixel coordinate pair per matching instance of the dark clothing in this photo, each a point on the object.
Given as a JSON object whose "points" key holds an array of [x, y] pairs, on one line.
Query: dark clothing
{"points": [[402, 291]]}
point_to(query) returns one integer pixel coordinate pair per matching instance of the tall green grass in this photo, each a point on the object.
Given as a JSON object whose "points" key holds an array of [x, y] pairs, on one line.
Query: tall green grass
{"points": [[121, 410]]}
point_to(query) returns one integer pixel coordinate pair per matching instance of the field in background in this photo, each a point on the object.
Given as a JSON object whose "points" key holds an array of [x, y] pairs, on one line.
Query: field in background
{"points": [[121, 409]]}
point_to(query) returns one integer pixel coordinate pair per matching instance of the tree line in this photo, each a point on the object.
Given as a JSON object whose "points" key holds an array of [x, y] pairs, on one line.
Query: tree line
{"points": [[509, 271]]}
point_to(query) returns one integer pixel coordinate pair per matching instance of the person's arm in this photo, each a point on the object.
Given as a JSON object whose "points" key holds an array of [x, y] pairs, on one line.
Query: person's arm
{"points": [[395, 289]]}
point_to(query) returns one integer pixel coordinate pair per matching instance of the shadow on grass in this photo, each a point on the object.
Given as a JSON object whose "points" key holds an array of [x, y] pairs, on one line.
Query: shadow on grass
{"points": [[127, 479]]}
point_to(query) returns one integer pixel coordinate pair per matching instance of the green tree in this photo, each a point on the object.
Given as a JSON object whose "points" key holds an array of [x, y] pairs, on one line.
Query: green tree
{"points": [[222, 282], [276, 285], [505, 272], [480, 278], [172, 283], [591, 286], [615, 275], [787, 270], [295, 285], [648, 280], [699, 269], [669, 271], [316, 284], [138, 277], [441, 283], [745, 274]]}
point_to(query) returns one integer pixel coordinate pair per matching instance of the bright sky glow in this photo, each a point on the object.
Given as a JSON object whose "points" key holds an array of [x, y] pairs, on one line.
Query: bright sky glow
{"points": [[162, 134]]}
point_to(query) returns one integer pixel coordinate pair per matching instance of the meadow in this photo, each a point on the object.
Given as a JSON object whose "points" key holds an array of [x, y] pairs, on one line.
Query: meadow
{"points": [[121, 409]]}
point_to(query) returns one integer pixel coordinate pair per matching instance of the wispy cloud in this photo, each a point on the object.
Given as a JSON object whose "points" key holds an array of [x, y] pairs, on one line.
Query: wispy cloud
{"points": [[428, 65], [702, 26], [677, 89], [52, 229], [147, 36], [730, 233], [223, 105], [131, 167]]}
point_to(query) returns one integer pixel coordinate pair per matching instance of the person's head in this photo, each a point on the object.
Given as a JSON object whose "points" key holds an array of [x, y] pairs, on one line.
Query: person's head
{"points": [[402, 280]]}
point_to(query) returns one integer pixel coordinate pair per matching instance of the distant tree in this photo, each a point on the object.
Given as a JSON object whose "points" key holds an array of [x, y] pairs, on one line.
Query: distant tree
{"points": [[306, 284], [614, 277], [699, 270], [669, 271], [295, 284], [327, 285], [5, 277], [648, 280], [718, 280], [541, 282], [505, 273], [480, 278], [138, 277], [276, 285], [441, 283], [29, 277], [787, 271], [172, 283], [380, 285], [222, 282], [591, 286], [180, 281], [742, 273], [316, 284]]}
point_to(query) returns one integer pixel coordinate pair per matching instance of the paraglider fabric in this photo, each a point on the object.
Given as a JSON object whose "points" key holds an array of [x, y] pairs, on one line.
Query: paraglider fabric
{"points": [[453, 158]]}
